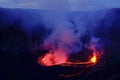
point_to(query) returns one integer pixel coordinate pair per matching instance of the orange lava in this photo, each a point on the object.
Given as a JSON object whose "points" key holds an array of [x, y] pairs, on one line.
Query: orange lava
{"points": [[93, 59]]}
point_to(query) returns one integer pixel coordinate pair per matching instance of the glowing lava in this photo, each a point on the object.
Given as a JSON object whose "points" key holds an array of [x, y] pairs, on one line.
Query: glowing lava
{"points": [[93, 59], [53, 58]]}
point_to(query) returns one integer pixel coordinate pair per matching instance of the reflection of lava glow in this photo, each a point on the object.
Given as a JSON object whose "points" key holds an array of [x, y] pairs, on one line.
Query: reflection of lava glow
{"points": [[53, 58]]}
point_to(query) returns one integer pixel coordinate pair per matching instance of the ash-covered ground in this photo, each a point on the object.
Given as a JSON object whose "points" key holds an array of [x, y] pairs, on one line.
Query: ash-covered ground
{"points": [[24, 35]]}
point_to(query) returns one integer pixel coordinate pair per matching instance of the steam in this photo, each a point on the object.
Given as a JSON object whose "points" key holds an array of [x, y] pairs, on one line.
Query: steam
{"points": [[62, 37], [67, 34]]}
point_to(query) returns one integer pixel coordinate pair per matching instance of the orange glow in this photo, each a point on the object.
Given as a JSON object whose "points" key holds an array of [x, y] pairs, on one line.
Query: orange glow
{"points": [[53, 58], [94, 58], [59, 57]]}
